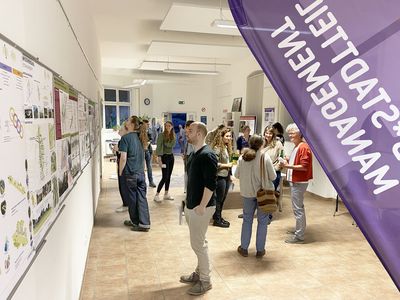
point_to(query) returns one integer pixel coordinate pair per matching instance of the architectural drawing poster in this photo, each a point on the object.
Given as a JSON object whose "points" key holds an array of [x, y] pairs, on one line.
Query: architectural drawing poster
{"points": [[40, 140], [16, 238]]}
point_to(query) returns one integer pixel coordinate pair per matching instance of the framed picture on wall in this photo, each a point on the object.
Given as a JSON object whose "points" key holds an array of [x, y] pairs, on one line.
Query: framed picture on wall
{"points": [[191, 117], [203, 119], [237, 104], [269, 115]]}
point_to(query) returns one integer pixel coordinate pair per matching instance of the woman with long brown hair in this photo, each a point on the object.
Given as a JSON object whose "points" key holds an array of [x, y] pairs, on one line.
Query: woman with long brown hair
{"points": [[131, 169], [165, 144], [222, 147]]}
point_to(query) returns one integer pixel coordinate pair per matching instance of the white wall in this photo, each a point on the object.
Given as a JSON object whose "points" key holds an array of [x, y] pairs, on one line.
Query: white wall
{"points": [[40, 28], [233, 83], [165, 96]]}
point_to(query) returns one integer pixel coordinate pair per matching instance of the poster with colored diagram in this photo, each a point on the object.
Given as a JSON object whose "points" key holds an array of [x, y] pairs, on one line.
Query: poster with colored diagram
{"points": [[40, 140], [16, 234]]}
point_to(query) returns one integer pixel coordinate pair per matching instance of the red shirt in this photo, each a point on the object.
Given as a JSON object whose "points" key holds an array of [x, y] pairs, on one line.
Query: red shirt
{"points": [[303, 157]]}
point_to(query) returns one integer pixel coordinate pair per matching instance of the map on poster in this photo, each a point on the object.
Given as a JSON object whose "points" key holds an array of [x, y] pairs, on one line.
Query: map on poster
{"points": [[16, 238], [40, 140]]}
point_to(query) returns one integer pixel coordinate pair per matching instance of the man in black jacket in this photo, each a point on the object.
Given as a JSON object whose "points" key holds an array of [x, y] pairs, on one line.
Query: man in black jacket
{"points": [[200, 205]]}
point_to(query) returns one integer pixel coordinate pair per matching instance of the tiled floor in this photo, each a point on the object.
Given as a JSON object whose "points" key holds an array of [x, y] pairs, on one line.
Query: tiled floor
{"points": [[336, 262]]}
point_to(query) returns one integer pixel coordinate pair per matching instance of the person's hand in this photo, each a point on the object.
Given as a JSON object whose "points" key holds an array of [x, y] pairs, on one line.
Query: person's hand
{"points": [[199, 210], [229, 165], [159, 162]]}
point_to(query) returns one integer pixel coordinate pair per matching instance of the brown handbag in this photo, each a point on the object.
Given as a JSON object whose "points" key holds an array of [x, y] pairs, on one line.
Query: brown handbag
{"points": [[266, 199]]}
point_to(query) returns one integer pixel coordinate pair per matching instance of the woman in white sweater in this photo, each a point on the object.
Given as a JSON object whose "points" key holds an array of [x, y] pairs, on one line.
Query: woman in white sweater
{"points": [[248, 171]]}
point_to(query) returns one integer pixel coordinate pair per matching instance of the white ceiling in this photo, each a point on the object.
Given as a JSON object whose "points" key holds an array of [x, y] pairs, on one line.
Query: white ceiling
{"points": [[140, 38]]}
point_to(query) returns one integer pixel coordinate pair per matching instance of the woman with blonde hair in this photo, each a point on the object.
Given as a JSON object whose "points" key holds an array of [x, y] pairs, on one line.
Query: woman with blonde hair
{"points": [[274, 148], [165, 158], [222, 147], [248, 172], [131, 169]]}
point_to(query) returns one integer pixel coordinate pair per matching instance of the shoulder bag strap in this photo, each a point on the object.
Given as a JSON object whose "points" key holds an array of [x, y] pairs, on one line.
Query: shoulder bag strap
{"points": [[262, 171]]}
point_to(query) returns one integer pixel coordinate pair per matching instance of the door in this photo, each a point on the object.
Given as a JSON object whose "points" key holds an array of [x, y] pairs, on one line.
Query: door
{"points": [[178, 119]]}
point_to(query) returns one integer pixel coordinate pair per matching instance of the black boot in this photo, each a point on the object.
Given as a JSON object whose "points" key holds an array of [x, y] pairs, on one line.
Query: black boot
{"points": [[219, 223]]}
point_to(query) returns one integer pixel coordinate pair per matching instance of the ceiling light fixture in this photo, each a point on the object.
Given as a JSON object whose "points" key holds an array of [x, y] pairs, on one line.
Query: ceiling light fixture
{"points": [[136, 83], [194, 72], [222, 22]]}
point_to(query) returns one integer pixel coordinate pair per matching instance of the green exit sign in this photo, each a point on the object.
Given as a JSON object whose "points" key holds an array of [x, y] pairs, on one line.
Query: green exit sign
{"points": [[181, 102]]}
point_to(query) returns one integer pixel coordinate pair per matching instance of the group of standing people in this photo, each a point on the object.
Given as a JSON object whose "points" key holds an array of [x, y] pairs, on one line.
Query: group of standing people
{"points": [[207, 177]]}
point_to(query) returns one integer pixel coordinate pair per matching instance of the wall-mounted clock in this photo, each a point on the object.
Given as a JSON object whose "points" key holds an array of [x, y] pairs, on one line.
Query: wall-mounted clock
{"points": [[146, 101]]}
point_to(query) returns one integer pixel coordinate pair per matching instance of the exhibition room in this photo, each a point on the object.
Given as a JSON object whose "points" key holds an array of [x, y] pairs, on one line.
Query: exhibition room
{"points": [[212, 149]]}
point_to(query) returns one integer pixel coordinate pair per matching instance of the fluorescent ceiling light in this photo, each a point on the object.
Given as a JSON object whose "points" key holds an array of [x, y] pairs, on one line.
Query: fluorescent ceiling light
{"points": [[220, 23], [135, 84], [194, 72]]}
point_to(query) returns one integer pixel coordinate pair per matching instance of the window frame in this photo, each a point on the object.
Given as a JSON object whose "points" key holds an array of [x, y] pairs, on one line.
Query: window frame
{"points": [[117, 104]]}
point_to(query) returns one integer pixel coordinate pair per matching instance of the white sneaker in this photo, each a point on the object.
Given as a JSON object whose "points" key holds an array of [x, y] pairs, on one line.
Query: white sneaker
{"points": [[121, 209], [157, 199], [168, 197]]}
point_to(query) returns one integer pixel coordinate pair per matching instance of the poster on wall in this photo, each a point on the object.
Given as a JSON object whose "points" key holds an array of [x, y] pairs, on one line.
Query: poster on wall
{"points": [[92, 125], [40, 140], [269, 116], [67, 136], [237, 105], [16, 237], [83, 121], [248, 121]]}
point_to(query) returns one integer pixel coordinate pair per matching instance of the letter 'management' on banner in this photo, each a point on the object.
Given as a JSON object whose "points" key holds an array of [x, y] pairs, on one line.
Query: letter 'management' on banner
{"points": [[324, 92]]}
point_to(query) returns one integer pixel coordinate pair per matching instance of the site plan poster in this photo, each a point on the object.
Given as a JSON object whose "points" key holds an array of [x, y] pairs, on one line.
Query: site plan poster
{"points": [[40, 140], [16, 229]]}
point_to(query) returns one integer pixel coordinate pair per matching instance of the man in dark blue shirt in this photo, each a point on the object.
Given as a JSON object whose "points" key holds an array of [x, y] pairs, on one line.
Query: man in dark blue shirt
{"points": [[131, 167], [200, 205]]}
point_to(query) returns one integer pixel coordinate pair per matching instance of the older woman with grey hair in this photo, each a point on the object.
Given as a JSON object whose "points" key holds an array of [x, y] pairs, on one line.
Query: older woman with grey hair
{"points": [[299, 172]]}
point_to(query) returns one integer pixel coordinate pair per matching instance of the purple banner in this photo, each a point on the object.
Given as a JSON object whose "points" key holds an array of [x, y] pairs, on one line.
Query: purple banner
{"points": [[334, 65]]}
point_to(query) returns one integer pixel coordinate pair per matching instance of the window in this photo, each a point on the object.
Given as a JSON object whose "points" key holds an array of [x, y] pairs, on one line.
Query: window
{"points": [[111, 116], [123, 96], [117, 107], [124, 113], [110, 95]]}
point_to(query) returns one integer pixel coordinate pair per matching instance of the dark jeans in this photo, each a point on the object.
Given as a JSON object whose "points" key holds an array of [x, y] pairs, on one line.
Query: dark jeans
{"points": [[222, 189], [147, 157], [136, 195], [277, 180], [123, 189], [168, 160]]}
